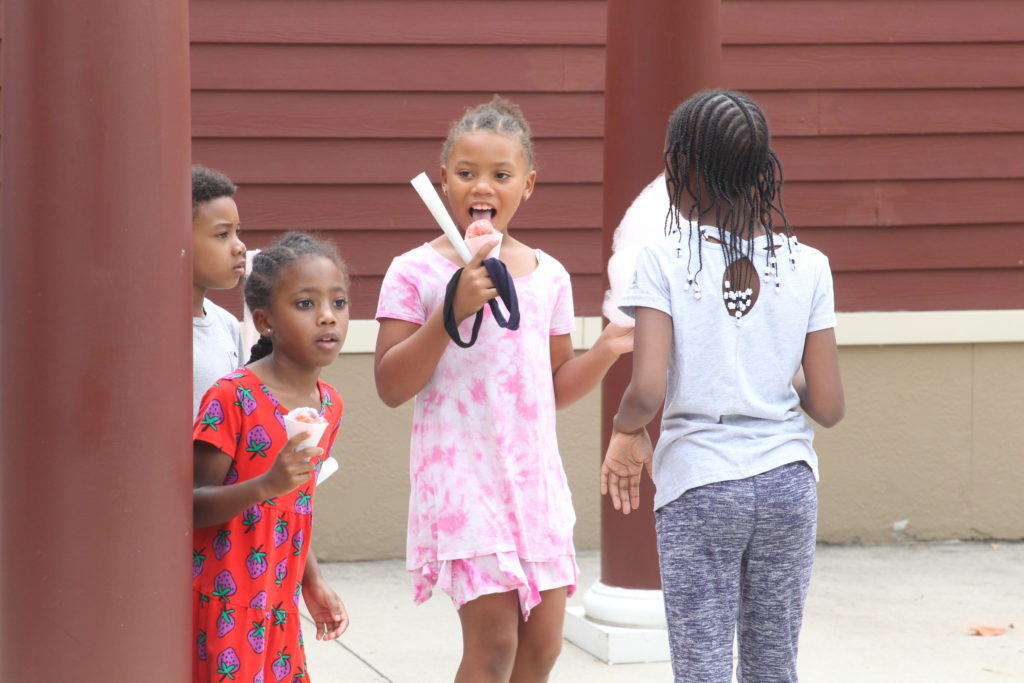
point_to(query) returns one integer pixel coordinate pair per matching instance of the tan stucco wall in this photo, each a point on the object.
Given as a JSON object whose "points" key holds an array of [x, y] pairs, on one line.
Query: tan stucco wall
{"points": [[934, 436]]}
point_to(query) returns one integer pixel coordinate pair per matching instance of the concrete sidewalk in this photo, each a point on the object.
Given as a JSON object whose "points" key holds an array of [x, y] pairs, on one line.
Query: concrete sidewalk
{"points": [[896, 614]]}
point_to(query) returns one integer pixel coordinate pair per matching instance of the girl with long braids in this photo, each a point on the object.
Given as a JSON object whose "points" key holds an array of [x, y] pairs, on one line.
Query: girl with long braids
{"points": [[734, 334], [254, 488]]}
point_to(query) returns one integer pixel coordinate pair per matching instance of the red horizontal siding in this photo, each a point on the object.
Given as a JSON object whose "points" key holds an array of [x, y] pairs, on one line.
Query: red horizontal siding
{"points": [[803, 22], [444, 68], [343, 208], [921, 248], [573, 206], [376, 115], [891, 112], [871, 67], [399, 22], [361, 161], [911, 202], [899, 157], [930, 291], [379, 115], [897, 122], [374, 161]]}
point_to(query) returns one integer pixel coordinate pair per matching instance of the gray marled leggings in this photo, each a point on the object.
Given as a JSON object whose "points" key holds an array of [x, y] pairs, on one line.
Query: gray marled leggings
{"points": [[736, 557]]}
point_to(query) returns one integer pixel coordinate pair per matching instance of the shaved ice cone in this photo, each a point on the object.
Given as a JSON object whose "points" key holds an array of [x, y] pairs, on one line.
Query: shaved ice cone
{"points": [[480, 233], [305, 420]]}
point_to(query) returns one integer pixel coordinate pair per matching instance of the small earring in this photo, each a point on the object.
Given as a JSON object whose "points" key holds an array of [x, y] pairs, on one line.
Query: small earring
{"points": [[268, 331]]}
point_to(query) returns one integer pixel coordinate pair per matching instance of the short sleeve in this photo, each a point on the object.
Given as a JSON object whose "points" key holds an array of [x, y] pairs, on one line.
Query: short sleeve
{"points": [[563, 317], [219, 421], [650, 287], [399, 293], [823, 307], [243, 353]]}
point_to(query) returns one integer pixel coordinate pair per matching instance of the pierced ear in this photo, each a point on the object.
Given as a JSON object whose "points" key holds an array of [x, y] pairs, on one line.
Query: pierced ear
{"points": [[261, 321]]}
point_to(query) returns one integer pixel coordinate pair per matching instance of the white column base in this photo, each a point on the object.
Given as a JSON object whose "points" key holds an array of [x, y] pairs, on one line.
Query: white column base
{"points": [[619, 625]]}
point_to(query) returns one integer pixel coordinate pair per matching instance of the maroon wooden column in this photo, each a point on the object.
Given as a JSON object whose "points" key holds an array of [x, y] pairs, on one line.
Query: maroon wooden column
{"points": [[95, 273], [656, 57]]}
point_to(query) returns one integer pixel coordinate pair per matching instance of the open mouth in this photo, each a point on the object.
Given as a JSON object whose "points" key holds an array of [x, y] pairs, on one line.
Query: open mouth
{"points": [[481, 211]]}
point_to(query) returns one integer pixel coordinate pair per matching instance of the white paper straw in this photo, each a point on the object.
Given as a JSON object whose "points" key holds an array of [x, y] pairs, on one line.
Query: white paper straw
{"points": [[428, 194]]}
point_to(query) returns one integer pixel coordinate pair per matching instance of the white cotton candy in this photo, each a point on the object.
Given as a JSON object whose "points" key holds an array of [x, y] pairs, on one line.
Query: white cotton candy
{"points": [[643, 221]]}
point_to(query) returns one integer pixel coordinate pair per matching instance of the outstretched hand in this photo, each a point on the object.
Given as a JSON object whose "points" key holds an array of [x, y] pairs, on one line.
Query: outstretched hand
{"points": [[618, 338], [626, 457], [475, 287]]}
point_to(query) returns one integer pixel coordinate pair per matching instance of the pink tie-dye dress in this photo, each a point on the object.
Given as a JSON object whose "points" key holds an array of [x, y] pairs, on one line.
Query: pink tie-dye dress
{"points": [[490, 509]]}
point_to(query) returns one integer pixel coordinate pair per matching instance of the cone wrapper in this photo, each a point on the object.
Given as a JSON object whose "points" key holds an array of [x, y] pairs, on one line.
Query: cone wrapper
{"points": [[329, 467], [475, 244]]}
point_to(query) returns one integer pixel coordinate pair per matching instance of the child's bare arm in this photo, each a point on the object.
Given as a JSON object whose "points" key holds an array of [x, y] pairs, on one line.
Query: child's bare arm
{"points": [[575, 376], [646, 391], [818, 382], [407, 354], [629, 448], [406, 357], [214, 503]]}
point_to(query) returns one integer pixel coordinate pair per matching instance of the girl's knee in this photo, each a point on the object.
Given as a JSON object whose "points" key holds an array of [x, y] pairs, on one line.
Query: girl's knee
{"points": [[545, 656], [489, 659], [491, 655], [536, 658]]}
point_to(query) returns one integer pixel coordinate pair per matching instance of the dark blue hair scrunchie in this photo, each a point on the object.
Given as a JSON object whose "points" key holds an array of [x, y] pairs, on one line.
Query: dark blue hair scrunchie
{"points": [[506, 292]]}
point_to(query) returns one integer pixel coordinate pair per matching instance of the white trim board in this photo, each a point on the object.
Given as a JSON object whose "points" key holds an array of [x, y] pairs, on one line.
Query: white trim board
{"points": [[853, 329]]}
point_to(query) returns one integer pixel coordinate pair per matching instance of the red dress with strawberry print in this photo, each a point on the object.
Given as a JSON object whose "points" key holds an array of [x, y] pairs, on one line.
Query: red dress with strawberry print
{"points": [[247, 572]]}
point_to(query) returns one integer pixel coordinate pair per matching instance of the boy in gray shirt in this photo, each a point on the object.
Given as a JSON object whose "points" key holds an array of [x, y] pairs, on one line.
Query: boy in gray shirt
{"points": [[218, 261]]}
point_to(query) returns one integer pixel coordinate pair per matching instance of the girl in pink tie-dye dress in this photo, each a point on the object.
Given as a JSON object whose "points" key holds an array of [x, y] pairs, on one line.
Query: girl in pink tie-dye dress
{"points": [[490, 513]]}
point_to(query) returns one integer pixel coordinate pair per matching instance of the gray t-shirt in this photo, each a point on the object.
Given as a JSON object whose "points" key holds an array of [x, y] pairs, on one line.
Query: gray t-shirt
{"points": [[730, 407], [216, 349]]}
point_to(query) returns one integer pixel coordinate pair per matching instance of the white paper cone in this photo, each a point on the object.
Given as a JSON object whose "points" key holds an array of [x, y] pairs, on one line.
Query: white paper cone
{"points": [[475, 243], [314, 431]]}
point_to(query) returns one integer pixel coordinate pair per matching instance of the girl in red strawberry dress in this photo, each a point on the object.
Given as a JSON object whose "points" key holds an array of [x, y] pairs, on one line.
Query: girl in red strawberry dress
{"points": [[253, 491]]}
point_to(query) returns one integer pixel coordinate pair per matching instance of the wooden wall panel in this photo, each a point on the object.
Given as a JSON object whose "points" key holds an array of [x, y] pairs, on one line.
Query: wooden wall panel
{"points": [[344, 208], [898, 125], [322, 110], [377, 115], [939, 290], [837, 22], [850, 67], [891, 112], [431, 68], [363, 161], [897, 121], [404, 22], [897, 203]]}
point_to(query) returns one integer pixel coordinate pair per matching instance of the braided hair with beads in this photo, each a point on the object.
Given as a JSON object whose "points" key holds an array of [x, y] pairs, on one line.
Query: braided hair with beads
{"points": [[721, 171], [267, 267]]}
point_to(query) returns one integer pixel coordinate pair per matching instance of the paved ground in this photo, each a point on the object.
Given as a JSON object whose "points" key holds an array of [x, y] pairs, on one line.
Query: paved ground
{"points": [[897, 614]]}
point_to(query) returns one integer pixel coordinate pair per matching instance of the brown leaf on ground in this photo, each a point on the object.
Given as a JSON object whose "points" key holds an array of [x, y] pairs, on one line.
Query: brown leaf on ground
{"points": [[987, 631]]}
